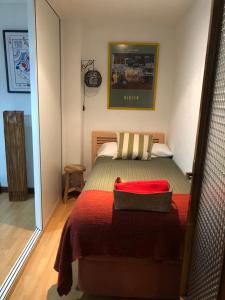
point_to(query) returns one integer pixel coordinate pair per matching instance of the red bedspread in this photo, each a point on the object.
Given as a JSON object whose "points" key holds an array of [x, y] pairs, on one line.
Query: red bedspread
{"points": [[95, 228]]}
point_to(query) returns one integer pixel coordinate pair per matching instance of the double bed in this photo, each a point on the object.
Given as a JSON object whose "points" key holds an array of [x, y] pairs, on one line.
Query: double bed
{"points": [[124, 253]]}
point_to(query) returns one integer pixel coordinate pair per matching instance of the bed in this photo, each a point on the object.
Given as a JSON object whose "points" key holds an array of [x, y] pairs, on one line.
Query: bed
{"points": [[124, 254]]}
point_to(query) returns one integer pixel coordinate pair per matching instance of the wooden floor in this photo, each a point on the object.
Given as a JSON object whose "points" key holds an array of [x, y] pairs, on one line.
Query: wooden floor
{"points": [[17, 224], [38, 280]]}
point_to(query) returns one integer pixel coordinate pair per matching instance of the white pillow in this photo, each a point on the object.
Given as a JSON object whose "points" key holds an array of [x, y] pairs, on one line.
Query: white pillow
{"points": [[107, 149], [110, 149], [161, 150]]}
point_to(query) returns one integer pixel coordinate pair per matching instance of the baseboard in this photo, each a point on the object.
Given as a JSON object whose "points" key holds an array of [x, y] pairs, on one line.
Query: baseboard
{"points": [[4, 189], [46, 221]]}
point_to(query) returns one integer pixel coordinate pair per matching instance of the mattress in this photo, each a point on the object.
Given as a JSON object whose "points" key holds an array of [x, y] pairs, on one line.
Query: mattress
{"points": [[106, 170]]}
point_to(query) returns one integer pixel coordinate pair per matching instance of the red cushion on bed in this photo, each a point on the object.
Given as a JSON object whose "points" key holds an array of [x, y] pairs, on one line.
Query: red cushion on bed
{"points": [[143, 187]]}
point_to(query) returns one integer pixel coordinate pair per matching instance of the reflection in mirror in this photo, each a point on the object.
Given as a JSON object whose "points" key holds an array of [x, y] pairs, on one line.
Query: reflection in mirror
{"points": [[17, 213]]}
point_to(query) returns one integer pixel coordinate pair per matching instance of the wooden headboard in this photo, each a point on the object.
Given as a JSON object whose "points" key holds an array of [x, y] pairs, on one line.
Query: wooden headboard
{"points": [[101, 137]]}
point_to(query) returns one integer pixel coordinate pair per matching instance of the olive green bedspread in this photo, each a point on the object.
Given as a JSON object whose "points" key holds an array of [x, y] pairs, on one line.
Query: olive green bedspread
{"points": [[106, 170]]}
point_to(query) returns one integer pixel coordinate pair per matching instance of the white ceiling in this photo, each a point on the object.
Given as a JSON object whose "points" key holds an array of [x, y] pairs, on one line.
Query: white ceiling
{"points": [[163, 11]]}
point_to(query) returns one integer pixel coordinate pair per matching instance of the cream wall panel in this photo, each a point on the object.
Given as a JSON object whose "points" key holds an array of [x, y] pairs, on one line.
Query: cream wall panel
{"points": [[71, 91], [191, 40], [48, 64]]}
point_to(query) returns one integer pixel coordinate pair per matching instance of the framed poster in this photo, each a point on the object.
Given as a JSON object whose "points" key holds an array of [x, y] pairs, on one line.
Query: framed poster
{"points": [[132, 75], [17, 60]]}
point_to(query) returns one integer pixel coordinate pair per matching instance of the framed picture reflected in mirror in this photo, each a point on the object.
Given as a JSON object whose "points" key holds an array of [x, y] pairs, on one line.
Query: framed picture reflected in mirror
{"points": [[17, 60]]}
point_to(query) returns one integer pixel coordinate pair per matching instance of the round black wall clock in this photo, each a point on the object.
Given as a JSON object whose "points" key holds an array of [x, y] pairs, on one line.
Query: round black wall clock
{"points": [[93, 78]]}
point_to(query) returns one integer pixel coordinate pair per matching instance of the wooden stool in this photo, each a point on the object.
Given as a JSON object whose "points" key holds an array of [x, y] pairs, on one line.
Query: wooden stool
{"points": [[71, 170]]}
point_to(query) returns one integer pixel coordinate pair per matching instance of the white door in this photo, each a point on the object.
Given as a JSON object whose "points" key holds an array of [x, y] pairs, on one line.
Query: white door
{"points": [[49, 99]]}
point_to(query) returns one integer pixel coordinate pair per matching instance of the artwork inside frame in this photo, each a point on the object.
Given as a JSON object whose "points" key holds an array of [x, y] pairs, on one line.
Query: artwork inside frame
{"points": [[132, 75], [17, 60]]}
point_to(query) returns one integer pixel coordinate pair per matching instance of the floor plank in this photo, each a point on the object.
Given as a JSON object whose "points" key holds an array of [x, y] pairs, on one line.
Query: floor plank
{"points": [[17, 224]]}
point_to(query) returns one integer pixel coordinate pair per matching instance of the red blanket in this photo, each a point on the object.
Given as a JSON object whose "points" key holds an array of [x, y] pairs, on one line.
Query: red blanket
{"points": [[95, 228]]}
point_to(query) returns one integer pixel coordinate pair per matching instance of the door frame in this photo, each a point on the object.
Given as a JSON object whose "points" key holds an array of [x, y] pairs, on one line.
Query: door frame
{"points": [[31, 12], [202, 134]]}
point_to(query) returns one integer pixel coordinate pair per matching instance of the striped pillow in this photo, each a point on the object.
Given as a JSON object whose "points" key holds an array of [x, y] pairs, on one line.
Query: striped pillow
{"points": [[133, 146]]}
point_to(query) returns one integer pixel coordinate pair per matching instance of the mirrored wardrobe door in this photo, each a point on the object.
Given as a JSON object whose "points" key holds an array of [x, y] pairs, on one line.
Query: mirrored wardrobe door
{"points": [[20, 188], [17, 208]]}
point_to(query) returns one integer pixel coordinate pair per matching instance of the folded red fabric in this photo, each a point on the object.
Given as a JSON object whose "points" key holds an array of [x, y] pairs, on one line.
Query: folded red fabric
{"points": [[143, 187]]}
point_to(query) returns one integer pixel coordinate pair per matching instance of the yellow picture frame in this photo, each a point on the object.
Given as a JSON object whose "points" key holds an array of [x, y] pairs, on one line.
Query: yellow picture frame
{"points": [[136, 67]]}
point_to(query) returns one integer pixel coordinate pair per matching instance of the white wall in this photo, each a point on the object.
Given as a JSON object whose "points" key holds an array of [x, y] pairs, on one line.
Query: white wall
{"points": [[181, 64], [49, 96], [94, 46], [71, 90], [191, 40], [9, 101]]}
